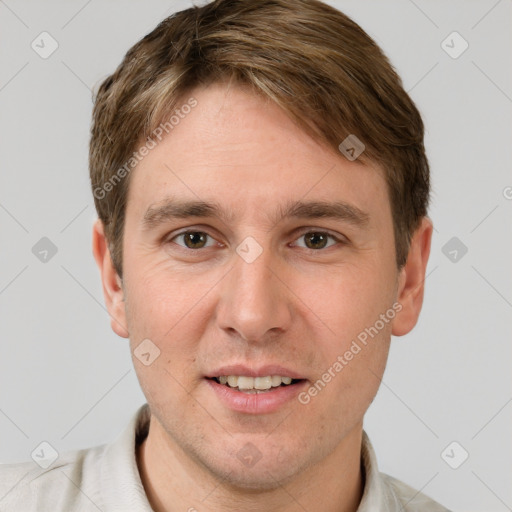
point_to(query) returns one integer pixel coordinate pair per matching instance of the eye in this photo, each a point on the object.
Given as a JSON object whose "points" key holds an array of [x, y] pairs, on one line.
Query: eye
{"points": [[193, 239], [317, 240]]}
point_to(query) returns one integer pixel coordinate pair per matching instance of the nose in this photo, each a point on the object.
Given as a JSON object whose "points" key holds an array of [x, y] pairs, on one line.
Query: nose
{"points": [[255, 304]]}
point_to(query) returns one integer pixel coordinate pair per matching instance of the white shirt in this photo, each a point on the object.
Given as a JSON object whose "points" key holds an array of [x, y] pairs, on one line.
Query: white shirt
{"points": [[106, 478]]}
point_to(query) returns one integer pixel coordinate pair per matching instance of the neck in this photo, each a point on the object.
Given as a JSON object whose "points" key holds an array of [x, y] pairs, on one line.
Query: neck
{"points": [[174, 481]]}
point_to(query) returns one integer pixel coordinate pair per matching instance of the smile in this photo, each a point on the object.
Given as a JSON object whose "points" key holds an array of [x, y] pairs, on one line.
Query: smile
{"points": [[242, 395], [254, 385]]}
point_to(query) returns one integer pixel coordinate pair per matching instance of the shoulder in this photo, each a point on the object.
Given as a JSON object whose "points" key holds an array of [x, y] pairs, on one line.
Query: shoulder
{"points": [[103, 477], [405, 497], [70, 483], [388, 494]]}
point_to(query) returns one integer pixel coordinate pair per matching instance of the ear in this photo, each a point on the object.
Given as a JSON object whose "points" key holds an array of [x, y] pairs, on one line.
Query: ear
{"points": [[112, 284], [411, 281]]}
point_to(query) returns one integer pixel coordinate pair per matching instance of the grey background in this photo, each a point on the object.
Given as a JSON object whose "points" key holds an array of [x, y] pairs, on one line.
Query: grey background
{"points": [[66, 378]]}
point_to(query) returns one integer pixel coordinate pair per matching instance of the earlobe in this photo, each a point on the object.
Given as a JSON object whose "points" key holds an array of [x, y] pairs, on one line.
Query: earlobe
{"points": [[411, 282], [111, 282]]}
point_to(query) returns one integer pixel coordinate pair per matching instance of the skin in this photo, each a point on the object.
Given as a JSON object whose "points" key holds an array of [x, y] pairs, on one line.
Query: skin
{"points": [[296, 306]]}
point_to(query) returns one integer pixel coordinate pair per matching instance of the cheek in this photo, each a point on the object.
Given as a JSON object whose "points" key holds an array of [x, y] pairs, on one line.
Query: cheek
{"points": [[156, 312], [355, 347], [171, 324], [161, 300], [352, 299]]}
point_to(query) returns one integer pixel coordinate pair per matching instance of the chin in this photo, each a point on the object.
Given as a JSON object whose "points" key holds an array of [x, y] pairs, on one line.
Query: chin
{"points": [[249, 469], [258, 480]]}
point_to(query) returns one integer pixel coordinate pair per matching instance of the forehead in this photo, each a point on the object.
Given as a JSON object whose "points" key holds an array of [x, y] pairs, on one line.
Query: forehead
{"points": [[239, 149]]}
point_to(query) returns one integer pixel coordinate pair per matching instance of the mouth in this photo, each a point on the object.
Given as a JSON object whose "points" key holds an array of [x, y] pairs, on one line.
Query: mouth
{"points": [[250, 389], [255, 385]]}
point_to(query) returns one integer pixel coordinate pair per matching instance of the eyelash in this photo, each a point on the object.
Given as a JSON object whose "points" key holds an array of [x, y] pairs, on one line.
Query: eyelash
{"points": [[303, 234]]}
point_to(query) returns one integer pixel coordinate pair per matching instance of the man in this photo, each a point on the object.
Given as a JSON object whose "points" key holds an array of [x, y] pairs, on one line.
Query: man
{"points": [[262, 189]]}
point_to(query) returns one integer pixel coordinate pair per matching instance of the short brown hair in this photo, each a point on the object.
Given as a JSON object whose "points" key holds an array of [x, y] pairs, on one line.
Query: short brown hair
{"points": [[310, 59]]}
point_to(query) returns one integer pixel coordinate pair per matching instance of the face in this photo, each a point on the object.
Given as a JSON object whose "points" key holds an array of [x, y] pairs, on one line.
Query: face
{"points": [[280, 269]]}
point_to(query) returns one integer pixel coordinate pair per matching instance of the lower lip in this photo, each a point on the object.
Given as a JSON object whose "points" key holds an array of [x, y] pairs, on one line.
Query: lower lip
{"points": [[256, 403]]}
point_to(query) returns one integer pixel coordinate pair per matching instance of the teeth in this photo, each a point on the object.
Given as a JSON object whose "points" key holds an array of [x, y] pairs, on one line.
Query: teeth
{"points": [[262, 383], [243, 382]]}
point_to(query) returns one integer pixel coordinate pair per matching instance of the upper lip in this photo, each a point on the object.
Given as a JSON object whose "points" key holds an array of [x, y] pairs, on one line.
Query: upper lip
{"points": [[260, 371]]}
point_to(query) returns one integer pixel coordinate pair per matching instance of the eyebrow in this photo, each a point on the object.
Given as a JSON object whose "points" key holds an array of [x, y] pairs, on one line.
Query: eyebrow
{"points": [[168, 210]]}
